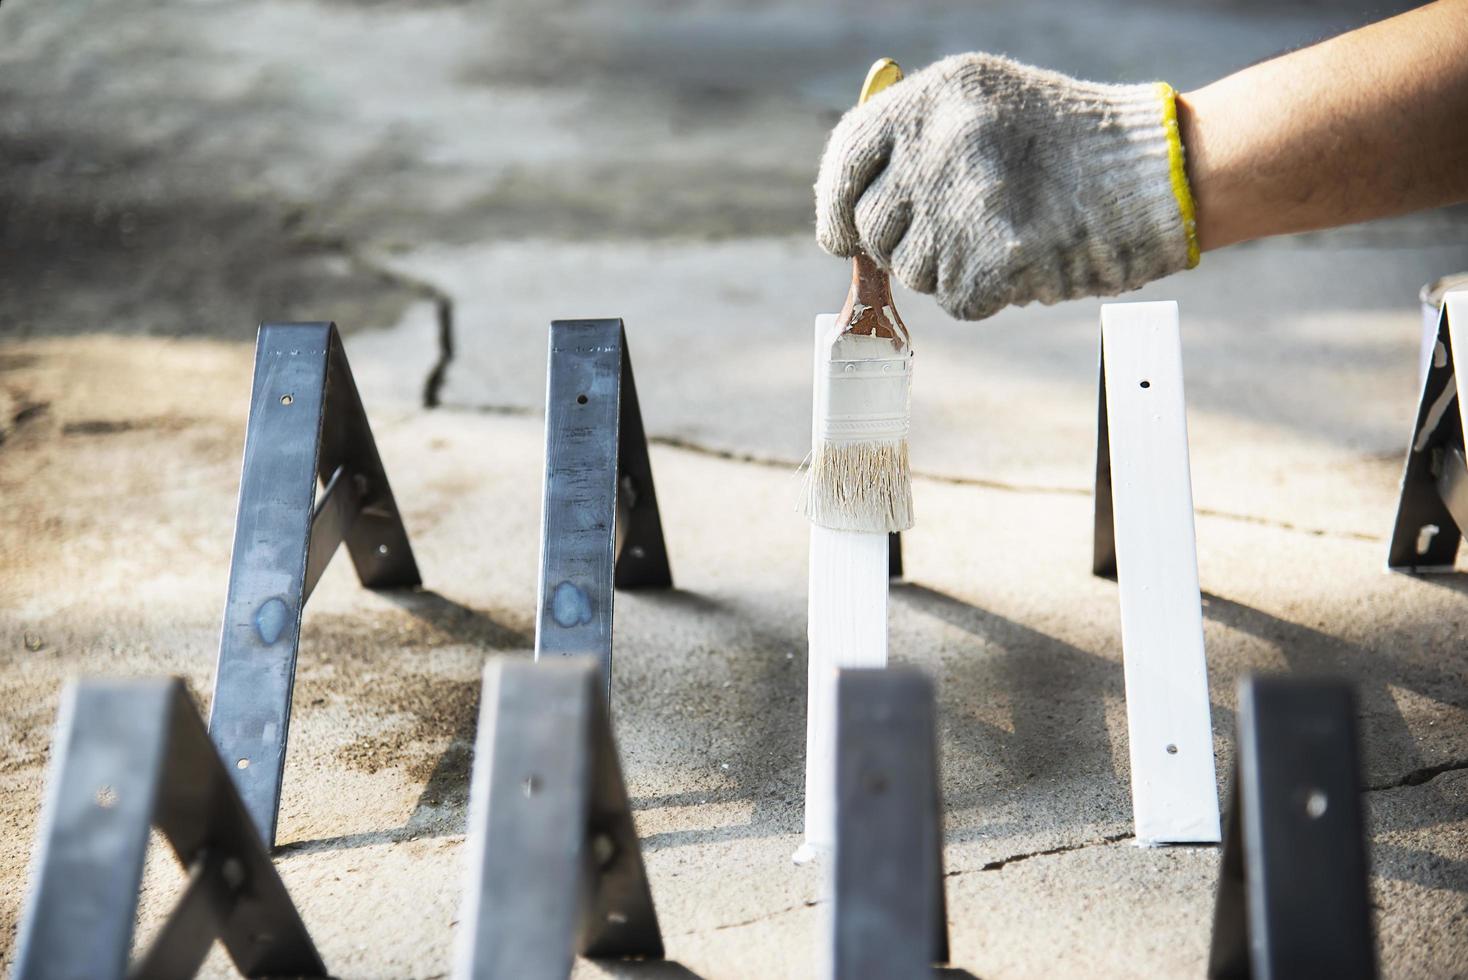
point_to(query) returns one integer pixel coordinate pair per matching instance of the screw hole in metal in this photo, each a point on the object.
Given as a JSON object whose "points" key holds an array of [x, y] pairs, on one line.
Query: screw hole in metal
{"points": [[383, 550], [286, 399], [581, 399], [1146, 384], [1171, 749], [530, 785], [242, 764]]}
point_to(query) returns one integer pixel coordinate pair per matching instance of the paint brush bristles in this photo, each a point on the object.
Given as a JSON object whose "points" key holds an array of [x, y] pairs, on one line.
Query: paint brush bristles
{"points": [[859, 478]]}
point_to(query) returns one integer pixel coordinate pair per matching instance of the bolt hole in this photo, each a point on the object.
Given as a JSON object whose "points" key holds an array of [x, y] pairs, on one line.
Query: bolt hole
{"points": [[106, 797], [286, 399], [530, 785], [1171, 749], [1146, 384], [1316, 804], [242, 764], [383, 550], [581, 399]]}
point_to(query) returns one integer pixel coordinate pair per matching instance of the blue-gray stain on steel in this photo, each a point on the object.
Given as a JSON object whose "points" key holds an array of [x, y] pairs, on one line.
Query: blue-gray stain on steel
{"points": [[570, 605], [270, 619]]}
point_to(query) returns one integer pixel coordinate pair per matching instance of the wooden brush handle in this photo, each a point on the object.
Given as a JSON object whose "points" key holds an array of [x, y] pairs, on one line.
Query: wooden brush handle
{"points": [[871, 291]]}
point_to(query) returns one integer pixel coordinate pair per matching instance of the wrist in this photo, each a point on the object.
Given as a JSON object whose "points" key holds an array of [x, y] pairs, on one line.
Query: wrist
{"points": [[1221, 205]]}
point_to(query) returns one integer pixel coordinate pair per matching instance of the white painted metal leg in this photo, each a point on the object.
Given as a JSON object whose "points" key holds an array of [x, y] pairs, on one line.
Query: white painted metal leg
{"points": [[847, 628], [1174, 792]]}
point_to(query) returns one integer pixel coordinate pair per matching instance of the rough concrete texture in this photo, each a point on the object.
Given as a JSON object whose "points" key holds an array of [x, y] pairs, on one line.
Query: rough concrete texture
{"points": [[446, 179]]}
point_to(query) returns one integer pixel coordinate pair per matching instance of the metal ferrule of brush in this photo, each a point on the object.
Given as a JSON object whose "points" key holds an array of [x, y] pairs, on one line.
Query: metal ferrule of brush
{"points": [[867, 399]]}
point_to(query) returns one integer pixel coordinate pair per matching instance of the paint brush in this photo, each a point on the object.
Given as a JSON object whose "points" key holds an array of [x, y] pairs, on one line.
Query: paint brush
{"points": [[858, 478]]}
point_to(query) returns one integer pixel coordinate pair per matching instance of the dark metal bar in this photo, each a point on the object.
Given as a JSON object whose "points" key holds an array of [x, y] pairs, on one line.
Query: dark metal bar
{"points": [[555, 865], [336, 509], [130, 754], [1426, 534], [642, 555], [1293, 897], [889, 916], [183, 943], [601, 523], [306, 423], [1103, 545], [894, 555]]}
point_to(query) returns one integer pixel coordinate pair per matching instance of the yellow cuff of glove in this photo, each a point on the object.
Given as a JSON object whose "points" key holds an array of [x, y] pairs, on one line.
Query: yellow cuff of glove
{"points": [[1177, 170]]}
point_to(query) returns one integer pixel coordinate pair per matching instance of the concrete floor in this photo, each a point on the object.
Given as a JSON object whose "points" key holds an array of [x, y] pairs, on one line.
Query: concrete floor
{"points": [[403, 170]]}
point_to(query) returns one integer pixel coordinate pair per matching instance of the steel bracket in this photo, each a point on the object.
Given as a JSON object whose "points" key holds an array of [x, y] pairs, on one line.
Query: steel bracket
{"points": [[888, 913], [1293, 898], [130, 755], [1144, 537], [601, 528], [554, 864], [1432, 509], [306, 424]]}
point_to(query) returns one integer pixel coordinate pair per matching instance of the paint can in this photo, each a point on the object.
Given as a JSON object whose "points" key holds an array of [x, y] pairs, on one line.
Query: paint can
{"points": [[1431, 297]]}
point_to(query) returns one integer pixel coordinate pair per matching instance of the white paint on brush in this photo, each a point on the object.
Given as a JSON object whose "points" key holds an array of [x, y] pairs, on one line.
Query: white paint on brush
{"points": [[1174, 792], [847, 627]]}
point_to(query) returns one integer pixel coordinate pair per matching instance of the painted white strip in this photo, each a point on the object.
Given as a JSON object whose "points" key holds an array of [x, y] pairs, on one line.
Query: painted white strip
{"points": [[1174, 792], [847, 627]]}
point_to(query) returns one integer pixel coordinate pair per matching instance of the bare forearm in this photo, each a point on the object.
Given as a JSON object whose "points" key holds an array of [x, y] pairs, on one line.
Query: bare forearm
{"points": [[1366, 125]]}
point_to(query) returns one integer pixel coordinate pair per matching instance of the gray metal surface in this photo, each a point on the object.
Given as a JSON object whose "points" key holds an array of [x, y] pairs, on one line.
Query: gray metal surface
{"points": [[554, 865], [1103, 546], [888, 914], [1425, 535], [1293, 897], [601, 528], [130, 754], [306, 423]]}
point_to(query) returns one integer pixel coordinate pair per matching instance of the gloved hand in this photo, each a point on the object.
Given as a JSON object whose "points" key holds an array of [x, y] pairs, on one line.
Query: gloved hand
{"points": [[992, 183]]}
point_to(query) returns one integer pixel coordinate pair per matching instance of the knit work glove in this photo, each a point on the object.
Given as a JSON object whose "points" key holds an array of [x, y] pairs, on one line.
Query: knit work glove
{"points": [[992, 183]]}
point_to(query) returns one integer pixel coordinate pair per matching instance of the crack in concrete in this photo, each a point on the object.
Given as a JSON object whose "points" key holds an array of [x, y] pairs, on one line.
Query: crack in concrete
{"points": [[811, 903], [443, 306], [1000, 863], [1417, 777], [776, 462]]}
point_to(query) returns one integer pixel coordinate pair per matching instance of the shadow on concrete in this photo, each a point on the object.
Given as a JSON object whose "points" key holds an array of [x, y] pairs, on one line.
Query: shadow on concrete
{"points": [[1422, 868], [1056, 695], [1387, 740], [646, 970], [456, 621], [701, 714], [442, 807]]}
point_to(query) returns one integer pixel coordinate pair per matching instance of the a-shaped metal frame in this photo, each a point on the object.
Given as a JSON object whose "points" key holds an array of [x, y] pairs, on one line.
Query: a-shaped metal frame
{"points": [[888, 914], [554, 865], [1432, 511], [600, 526], [306, 424], [130, 754], [1293, 898], [1144, 537]]}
